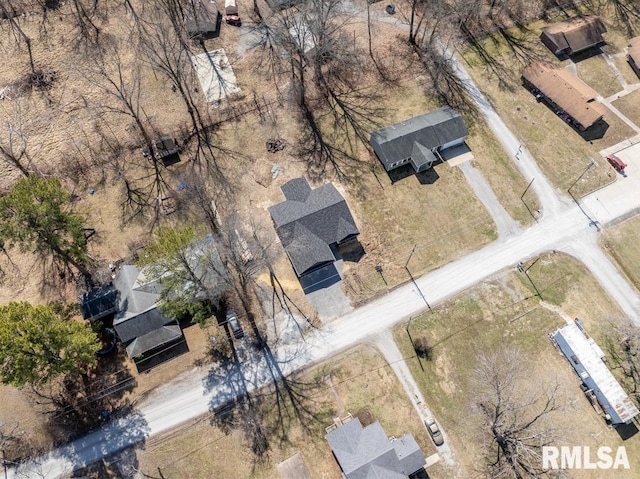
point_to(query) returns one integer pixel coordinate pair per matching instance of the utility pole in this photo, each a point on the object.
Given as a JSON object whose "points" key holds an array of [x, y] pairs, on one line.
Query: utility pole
{"points": [[525, 204], [406, 267], [525, 271]]}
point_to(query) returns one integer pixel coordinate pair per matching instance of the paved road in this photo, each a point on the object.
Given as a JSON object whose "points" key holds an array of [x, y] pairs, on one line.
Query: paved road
{"points": [[201, 390], [563, 227]]}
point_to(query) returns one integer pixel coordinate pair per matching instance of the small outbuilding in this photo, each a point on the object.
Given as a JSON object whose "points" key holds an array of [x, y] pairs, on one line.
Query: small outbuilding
{"points": [[633, 54], [201, 18], [588, 361], [570, 98], [419, 140], [574, 35]]}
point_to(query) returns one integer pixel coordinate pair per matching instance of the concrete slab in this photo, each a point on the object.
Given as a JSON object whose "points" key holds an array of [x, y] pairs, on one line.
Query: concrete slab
{"points": [[294, 468], [215, 74], [457, 155], [330, 302], [613, 201]]}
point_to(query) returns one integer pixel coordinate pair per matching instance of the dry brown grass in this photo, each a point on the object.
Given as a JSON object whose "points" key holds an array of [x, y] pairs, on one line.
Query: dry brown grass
{"points": [[625, 70], [499, 170], [561, 152], [596, 73], [620, 242], [629, 105], [504, 312], [361, 378]]}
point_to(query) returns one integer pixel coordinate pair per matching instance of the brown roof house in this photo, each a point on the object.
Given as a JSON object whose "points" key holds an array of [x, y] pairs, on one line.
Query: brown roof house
{"points": [[571, 98], [633, 54], [573, 35], [367, 452], [312, 224]]}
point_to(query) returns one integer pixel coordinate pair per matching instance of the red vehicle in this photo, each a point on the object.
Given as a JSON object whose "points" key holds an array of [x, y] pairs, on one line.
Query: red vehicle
{"points": [[616, 163], [231, 13]]}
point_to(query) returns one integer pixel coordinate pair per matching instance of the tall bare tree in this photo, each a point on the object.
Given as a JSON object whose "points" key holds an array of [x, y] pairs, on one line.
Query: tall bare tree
{"points": [[121, 83], [516, 416]]}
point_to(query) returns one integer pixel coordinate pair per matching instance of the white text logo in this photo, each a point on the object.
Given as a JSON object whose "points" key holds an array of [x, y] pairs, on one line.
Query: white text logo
{"points": [[581, 457]]}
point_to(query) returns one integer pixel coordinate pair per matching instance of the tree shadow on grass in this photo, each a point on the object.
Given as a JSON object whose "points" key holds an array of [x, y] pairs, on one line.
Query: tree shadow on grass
{"points": [[253, 392], [127, 432]]}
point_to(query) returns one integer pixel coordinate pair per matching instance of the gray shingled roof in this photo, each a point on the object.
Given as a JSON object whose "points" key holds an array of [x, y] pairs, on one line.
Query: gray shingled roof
{"points": [[431, 130], [309, 221], [201, 17], [367, 452], [99, 302], [147, 331], [139, 323]]}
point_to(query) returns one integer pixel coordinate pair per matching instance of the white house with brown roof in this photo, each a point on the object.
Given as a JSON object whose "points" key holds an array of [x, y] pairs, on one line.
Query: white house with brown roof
{"points": [[570, 97], [573, 35]]}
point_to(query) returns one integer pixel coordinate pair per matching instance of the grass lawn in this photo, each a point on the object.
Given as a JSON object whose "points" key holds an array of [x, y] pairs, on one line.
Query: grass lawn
{"points": [[629, 105], [625, 70], [504, 312], [362, 381], [621, 243], [596, 73], [500, 172], [561, 152]]}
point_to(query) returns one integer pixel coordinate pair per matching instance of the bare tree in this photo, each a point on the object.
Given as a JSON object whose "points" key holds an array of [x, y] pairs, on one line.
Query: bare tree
{"points": [[14, 139], [515, 416], [122, 83], [10, 12], [623, 348]]}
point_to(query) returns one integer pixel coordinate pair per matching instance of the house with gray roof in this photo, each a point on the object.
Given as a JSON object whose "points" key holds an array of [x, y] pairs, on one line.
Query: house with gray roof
{"points": [[367, 452], [311, 223], [139, 323], [419, 140]]}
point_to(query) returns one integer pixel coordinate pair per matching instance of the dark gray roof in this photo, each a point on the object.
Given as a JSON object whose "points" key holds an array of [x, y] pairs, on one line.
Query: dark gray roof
{"points": [[147, 331], [278, 5], [139, 323], [99, 302], [309, 221], [367, 453], [421, 156], [201, 17], [431, 130]]}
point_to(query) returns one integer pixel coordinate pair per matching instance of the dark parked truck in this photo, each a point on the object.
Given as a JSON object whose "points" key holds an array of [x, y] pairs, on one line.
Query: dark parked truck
{"points": [[231, 13]]}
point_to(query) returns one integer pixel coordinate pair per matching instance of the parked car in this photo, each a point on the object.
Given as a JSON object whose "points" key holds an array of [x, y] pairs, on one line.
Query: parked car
{"points": [[234, 323], [616, 162], [434, 431]]}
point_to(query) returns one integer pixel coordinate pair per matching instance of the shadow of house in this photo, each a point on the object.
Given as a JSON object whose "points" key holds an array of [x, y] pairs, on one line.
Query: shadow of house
{"points": [[363, 452], [633, 55], [311, 224], [418, 141], [569, 97], [202, 19], [574, 35], [140, 325]]}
